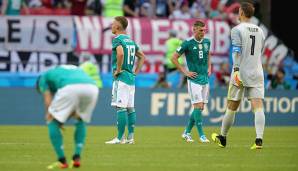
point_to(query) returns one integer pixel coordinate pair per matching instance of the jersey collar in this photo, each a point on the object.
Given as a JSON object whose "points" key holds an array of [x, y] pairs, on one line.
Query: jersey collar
{"points": [[197, 40]]}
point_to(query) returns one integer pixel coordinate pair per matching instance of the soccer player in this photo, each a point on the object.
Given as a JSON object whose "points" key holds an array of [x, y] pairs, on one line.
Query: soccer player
{"points": [[124, 51], [197, 54], [247, 75], [67, 92]]}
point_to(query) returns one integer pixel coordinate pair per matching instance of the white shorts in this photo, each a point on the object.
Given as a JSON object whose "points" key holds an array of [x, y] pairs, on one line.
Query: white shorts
{"points": [[198, 93], [78, 98], [236, 94], [123, 95]]}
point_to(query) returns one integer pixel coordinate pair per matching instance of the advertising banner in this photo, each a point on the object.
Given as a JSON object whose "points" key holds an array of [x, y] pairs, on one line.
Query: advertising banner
{"points": [[94, 34], [36, 62], [163, 107], [64, 34]]}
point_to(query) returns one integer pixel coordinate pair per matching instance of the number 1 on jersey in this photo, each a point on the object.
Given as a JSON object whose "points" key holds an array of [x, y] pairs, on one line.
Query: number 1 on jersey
{"points": [[252, 49]]}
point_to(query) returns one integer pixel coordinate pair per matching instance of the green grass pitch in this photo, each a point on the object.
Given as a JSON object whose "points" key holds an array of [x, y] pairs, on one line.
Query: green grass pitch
{"points": [[157, 149]]}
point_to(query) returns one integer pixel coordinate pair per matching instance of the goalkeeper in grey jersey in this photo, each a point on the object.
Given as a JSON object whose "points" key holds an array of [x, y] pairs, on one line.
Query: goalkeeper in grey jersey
{"points": [[247, 77]]}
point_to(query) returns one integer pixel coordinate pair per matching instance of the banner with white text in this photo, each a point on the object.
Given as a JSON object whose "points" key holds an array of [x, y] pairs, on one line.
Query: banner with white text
{"points": [[63, 34], [161, 107], [36, 33], [94, 34]]}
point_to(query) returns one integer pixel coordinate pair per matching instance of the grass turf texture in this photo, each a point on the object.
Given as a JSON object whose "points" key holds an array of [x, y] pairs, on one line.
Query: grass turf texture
{"points": [[156, 148]]}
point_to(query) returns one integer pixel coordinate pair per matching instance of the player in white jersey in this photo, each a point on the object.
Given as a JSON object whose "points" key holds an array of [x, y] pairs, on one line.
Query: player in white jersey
{"points": [[247, 76]]}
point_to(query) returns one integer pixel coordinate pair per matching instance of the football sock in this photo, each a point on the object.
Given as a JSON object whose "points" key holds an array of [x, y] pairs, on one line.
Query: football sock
{"points": [[121, 122], [190, 124], [56, 138], [227, 122], [79, 136], [198, 120], [259, 122], [131, 124]]}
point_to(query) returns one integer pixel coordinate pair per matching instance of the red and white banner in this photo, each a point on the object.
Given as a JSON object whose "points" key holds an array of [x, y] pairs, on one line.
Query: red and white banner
{"points": [[55, 34], [94, 34]]}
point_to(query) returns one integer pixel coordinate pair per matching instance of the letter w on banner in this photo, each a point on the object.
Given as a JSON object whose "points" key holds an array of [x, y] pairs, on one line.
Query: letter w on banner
{"points": [[37, 33], [93, 34]]}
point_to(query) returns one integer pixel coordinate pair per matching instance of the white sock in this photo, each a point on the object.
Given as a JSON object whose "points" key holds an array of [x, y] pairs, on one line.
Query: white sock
{"points": [[227, 122], [259, 122], [130, 136]]}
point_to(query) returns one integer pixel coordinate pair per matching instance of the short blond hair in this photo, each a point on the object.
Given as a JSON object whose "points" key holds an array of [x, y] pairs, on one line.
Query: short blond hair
{"points": [[123, 21]]}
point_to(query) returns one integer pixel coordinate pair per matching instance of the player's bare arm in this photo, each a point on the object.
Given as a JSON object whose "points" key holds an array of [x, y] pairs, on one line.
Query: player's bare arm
{"points": [[141, 58], [181, 68], [120, 57]]}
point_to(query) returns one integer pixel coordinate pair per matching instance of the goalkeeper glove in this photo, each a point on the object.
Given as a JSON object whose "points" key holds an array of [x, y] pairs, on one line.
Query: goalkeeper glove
{"points": [[236, 78]]}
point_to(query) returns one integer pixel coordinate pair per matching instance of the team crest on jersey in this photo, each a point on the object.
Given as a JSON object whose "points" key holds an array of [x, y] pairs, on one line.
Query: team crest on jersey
{"points": [[200, 46], [206, 46]]}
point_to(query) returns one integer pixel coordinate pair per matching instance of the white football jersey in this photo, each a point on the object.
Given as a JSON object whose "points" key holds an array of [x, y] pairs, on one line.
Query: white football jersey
{"points": [[250, 38]]}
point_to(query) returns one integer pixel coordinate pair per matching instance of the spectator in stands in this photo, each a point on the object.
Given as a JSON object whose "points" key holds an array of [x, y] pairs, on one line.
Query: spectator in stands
{"points": [[171, 45], [95, 6], [146, 9], [162, 8], [182, 12], [219, 9], [53, 4], [198, 8], [278, 80], [34, 3], [78, 7], [112, 8], [130, 8], [223, 75], [13, 7], [47, 3], [214, 9]]}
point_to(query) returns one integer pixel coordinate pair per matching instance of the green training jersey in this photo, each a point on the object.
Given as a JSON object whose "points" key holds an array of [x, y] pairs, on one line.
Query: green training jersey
{"points": [[196, 54], [129, 48], [172, 44], [92, 70], [61, 76]]}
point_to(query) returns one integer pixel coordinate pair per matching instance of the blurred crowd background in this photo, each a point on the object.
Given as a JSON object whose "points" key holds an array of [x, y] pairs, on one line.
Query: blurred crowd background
{"points": [[285, 77]]}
